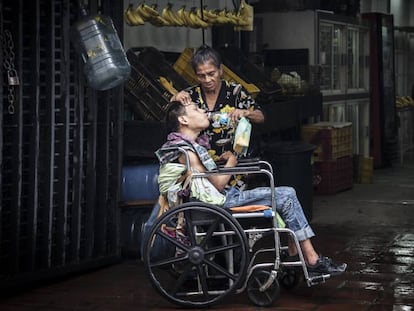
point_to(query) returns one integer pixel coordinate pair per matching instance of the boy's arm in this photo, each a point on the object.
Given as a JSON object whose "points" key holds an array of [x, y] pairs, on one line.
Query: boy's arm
{"points": [[219, 181]]}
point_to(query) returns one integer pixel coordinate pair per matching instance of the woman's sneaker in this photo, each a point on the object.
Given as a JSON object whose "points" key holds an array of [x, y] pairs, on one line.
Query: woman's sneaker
{"points": [[325, 265]]}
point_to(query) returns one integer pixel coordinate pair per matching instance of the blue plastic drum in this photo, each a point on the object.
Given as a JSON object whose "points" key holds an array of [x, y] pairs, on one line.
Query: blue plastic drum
{"points": [[139, 182]]}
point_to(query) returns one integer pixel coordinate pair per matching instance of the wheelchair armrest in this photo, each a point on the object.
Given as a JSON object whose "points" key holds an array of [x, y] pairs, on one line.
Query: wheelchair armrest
{"points": [[230, 170], [249, 160], [241, 161], [246, 162], [239, 169]]}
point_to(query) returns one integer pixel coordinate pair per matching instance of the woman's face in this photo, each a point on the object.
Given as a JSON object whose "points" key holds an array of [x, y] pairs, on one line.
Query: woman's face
{"points": [[209, 77]]}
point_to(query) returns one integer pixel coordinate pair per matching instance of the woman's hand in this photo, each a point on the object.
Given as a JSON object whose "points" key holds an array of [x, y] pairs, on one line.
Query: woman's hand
{"points": [[183, 97], [237, 114]]}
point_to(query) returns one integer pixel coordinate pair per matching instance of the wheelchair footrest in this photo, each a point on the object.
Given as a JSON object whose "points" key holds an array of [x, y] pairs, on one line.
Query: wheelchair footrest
{"points": [[315, 279]]}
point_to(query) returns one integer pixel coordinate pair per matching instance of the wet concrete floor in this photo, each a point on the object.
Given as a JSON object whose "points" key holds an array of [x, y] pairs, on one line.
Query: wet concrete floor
{"points": [[370, 227]]}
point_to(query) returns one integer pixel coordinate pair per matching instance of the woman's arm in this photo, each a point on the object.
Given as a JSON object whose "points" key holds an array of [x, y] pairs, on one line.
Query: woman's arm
{"points": [[183, 97], [255, 116]]}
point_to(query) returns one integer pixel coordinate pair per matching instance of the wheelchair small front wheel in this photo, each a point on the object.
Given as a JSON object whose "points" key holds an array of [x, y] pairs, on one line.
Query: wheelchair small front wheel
{"points": [[262, 298], [289, 278]]}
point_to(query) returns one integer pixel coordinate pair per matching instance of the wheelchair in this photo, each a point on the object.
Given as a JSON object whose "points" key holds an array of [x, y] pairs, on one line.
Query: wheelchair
{"points": [[196, 254]]}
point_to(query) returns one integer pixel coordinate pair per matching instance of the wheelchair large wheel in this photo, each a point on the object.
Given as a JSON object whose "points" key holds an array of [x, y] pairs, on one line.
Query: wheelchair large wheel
{"points": [[196, 254], [262, 298]]}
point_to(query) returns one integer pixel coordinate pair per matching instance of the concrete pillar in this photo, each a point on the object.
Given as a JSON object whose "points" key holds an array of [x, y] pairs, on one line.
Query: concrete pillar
{"points": [[401, 11]]}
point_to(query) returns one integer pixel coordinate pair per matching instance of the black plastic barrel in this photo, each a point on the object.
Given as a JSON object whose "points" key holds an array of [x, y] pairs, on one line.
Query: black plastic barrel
{"points": [[292, 166], [132, 220]]}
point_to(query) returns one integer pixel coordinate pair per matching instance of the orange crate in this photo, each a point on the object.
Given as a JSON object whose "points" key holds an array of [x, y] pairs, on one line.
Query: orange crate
{"points": [[183, 67], [332, 139]]}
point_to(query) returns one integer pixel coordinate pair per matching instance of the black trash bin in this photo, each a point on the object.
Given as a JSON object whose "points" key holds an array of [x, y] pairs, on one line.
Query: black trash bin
{"points": [[292, 166]]}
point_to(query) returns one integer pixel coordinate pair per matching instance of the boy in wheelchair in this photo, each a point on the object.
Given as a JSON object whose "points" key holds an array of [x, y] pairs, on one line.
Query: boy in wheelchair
{"points": [[185, 122]]}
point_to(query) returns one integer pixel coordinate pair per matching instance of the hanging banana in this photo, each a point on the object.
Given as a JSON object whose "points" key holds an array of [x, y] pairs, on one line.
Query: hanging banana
{"points": [[184, 15], [246, 12], [197, 20], [222, 17], [169, 15], [146, 12], [236, 18], [131, 18], [151, 15], [206, 15]]}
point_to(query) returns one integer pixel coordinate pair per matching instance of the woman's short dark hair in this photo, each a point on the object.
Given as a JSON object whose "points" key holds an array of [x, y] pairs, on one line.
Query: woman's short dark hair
{"points": [[175, 109], [205, 54]]}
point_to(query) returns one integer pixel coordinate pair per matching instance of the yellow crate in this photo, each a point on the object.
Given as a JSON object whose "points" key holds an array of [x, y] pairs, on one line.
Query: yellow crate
{"points": [[363, 169], [333, 140], [183, 67]]}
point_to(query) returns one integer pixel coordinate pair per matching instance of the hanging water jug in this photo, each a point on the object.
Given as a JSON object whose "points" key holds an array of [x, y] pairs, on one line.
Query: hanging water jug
{"points": [[96, 39]]}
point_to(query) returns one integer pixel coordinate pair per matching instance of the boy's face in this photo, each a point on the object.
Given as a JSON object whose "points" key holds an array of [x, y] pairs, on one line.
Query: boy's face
{"points": [[209, 76], [196, 117]]}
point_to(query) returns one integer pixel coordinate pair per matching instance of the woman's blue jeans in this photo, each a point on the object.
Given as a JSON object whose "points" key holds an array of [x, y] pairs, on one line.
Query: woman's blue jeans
{"points": [[287, 205]]}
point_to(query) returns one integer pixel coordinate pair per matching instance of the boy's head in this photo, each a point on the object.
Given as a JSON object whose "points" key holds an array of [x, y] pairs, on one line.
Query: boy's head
{"points": [[175, 109], [190, 117]]}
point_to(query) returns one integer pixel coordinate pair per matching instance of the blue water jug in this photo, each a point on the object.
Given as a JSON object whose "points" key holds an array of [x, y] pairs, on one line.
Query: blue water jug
{"points": [[96, 39]]}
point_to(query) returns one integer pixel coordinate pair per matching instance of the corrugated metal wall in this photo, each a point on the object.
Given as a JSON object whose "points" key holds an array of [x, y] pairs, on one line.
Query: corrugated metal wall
{"points": [[60, 147]]}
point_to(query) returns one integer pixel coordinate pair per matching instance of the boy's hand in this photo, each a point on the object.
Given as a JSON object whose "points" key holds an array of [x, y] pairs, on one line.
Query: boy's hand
{"points": [[230, 158]]}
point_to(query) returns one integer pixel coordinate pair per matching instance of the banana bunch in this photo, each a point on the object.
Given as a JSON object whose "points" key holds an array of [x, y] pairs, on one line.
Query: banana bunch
{"points": [[171, 17], [168, 85], [236, 18], [404, 101], [197, 20], [221, 17], [184, 16], [150, 14], [207, 15], [143, 13], [131, 17], [245, 14], [191, 19]]}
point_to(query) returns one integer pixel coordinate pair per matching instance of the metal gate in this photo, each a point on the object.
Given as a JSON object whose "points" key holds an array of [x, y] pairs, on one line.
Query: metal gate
{"points": [[60, 147]]}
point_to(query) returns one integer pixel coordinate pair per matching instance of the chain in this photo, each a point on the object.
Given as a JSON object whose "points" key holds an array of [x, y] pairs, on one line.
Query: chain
{"points": [[8, 64]]}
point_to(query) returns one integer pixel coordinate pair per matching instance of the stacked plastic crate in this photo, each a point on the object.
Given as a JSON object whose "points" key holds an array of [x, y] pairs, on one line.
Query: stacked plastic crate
{"points": [[333, 161], [151, 84]]}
